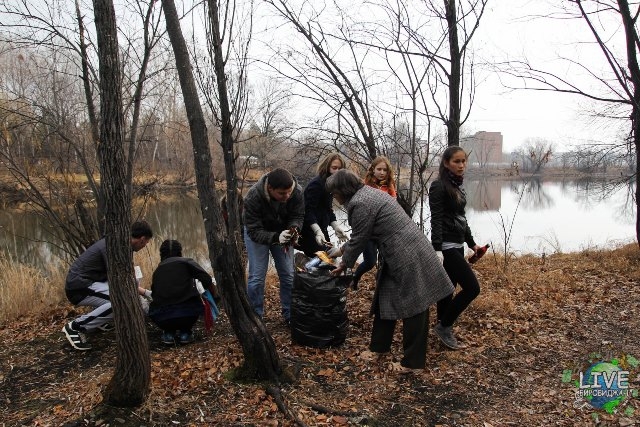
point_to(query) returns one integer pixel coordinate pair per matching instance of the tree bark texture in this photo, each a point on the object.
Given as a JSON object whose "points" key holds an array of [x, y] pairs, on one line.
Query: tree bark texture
{"points": [[261, 358], [453, 121], [130, 383], [634, 71]]}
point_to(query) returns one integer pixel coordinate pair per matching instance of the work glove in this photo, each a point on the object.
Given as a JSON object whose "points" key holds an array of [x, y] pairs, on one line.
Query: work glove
{"points": [[320, 240], [335, 252], [440, 257], [285, 237], [340, 234]]}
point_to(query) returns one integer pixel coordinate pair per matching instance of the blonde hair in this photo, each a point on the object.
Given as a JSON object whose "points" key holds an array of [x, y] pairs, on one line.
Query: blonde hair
{"points": [[370, 177], [325, 164]]}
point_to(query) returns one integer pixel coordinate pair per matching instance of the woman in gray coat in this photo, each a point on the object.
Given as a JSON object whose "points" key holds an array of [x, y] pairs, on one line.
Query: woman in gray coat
{"points": [[411, 277]]}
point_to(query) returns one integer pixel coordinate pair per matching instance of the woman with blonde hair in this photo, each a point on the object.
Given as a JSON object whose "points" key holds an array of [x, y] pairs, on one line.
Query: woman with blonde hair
{"points": [[318, 208], [380, 176]]}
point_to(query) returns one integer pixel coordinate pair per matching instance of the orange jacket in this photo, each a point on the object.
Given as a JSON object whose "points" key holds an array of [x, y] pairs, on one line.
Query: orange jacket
{"points": [[383, 186]]}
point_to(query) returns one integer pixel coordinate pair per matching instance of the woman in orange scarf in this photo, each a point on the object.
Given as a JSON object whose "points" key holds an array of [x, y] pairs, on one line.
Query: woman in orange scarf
{"points": [[380, 176]]}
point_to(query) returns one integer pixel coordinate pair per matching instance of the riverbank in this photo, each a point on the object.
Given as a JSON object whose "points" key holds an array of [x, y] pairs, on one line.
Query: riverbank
{"points": [[536, 325]]}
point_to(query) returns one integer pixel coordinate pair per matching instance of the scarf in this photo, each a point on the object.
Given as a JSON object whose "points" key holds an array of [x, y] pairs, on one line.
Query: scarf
{"points": [[456, 180]]}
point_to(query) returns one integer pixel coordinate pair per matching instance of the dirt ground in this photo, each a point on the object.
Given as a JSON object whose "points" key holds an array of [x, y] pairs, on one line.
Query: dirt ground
{"points": [[534, 328]]}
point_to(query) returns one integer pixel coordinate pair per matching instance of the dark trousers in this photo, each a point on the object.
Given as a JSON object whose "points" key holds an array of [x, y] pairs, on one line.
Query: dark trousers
{"points": [[459, 271], [182, 324], [415, 331], [369, 258]]}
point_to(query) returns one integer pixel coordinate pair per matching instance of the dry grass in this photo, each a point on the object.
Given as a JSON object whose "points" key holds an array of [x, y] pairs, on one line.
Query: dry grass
{"points": [[25, 290]]}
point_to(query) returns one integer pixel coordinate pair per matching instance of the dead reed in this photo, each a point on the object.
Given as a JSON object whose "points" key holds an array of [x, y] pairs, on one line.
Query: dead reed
{"points": [[27, 290]]}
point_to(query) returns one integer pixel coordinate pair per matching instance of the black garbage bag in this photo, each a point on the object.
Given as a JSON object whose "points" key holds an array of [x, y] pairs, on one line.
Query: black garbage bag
{"points": [[319, 309]]}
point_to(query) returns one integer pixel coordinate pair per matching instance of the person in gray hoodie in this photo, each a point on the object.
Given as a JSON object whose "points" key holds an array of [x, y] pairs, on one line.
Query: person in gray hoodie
{"points": [[87, 285], [273, 215]]}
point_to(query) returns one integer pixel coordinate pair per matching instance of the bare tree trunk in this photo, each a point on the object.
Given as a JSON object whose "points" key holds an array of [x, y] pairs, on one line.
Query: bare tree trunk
{"points": [[129, 385], [226, 128], [634, 71], [261, 358], [453, 121]]}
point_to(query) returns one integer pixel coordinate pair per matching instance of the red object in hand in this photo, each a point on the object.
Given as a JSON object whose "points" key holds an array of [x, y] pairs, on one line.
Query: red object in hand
{"points": [[479, 254]]}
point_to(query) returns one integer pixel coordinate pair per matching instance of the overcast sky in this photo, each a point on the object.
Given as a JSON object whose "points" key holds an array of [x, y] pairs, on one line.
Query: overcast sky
{"points": [[510, 30]]}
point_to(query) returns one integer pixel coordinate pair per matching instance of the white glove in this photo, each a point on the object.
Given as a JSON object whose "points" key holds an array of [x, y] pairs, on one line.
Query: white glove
{"points": [[147, 294], [340, 234], [199, 286], [440, 257], [334, 252], [320, 240], [144, 302], [285, 237]]}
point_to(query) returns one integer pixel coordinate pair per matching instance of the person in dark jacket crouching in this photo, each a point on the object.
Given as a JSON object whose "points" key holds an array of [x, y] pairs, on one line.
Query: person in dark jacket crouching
{"points": [[410, 278], [87, 285], [176, 303]]}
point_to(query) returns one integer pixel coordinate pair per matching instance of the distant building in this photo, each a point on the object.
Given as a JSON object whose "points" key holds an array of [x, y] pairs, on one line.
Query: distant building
{"points": [[484, 148]]}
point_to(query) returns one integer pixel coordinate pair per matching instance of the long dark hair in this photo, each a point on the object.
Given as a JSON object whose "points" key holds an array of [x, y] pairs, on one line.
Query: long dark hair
{"points": [[443, 172]]}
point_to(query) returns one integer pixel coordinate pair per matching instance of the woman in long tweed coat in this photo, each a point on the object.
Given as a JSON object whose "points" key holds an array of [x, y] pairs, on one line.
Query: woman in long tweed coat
{"points": [[411, 277]]}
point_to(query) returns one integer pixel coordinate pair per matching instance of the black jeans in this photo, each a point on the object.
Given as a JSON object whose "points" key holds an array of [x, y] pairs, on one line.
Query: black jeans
{"points": [[459, 271], [415, 331]]}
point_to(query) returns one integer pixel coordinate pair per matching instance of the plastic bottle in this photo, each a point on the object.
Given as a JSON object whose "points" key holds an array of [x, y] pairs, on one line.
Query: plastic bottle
{"points": [[479, 254], [313, 263]]}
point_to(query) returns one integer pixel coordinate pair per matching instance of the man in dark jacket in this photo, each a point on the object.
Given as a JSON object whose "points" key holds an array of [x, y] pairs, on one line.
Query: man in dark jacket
{"points": [[272, 207], [86, 285]]}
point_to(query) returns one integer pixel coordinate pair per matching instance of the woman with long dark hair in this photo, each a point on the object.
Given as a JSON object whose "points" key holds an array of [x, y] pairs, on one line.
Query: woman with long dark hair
{"points": [[449, 232]]}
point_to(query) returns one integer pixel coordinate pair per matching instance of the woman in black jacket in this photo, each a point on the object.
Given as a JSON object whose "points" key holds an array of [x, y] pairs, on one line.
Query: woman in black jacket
{"points": [[449, 233], [176, 303], [318, 208]]}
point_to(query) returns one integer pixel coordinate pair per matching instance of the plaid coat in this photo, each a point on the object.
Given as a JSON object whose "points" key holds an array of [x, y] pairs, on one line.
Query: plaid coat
{"points": [[411, 277]]}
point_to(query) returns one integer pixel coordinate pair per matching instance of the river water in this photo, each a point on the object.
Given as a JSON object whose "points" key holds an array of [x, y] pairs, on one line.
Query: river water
{"points": [[521, 216]]}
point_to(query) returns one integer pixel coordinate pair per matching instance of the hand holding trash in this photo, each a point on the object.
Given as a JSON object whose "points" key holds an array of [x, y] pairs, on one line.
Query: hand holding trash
{"points": [[319, 235], [335, 252]]}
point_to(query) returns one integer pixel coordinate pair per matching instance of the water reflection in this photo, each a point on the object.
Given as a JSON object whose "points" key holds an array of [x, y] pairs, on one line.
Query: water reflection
{"points": [[551, 216], [484, 195], [569, 214]]}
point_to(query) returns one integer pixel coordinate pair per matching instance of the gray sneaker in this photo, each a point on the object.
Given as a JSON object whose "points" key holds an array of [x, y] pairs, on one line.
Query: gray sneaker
{"points": [[446, 336]]}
